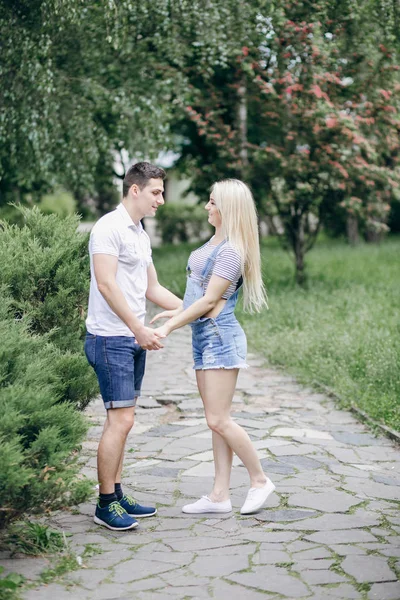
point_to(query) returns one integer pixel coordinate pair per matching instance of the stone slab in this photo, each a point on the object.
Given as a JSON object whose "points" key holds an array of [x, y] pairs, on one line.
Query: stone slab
{"points": [[331, 502], [272, 579], [384, 591], [368, 569]]}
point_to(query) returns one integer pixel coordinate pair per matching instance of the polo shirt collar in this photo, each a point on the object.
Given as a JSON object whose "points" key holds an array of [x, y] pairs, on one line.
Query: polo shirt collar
{"points": [[127, 218]]}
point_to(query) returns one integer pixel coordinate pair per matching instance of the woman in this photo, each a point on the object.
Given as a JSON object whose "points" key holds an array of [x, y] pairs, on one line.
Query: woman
{"points": [[216, 271]]}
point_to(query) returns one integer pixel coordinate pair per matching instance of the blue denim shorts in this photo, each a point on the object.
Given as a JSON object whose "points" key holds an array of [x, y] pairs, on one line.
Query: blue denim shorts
{"points": [[219, 343], [119, 364]]}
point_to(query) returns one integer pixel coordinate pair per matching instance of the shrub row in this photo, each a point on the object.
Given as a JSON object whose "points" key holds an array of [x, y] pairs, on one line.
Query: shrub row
{"points": [[45, 266], [44, 375]]}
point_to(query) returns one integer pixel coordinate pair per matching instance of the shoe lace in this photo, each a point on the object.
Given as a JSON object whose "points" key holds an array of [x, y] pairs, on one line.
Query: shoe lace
{"points": [[116, 508], [129, 500]]}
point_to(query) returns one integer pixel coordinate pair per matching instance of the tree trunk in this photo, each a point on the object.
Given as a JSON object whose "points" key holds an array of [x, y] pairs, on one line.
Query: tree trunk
{"points": [[353, 236], [374, 235], [299, 248]]}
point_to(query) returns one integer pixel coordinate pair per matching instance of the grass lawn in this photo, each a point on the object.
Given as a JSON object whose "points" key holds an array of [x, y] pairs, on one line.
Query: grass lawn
{"points": [[342, 331]]}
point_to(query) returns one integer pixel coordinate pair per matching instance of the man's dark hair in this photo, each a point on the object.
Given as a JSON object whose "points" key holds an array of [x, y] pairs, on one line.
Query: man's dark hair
{"points": [[140, 174]]}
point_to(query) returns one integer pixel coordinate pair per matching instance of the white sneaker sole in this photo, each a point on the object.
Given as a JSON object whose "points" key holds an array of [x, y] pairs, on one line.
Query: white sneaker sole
{"points": [[100, 522], [213, 509], [204, 512], [255, 507]]}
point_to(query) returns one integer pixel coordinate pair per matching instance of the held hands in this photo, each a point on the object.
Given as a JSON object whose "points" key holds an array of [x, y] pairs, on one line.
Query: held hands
{"points": [[149, 339], [165, 330]]}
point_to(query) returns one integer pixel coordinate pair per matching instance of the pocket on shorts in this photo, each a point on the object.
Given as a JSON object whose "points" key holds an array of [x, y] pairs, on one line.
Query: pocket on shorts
{"points": [[90, 349]]}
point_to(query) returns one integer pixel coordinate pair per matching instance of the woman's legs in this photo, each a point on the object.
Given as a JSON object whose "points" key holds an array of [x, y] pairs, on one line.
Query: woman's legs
{"points": [[217, 390], [223, 456]]}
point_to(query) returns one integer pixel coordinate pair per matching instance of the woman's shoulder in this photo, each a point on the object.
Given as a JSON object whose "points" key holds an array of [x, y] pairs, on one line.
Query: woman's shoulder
{"points": [[229, 250]]}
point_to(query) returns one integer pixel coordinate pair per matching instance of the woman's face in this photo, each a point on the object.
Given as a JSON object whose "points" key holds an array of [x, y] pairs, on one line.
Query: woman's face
{"points": [[214, 216]]}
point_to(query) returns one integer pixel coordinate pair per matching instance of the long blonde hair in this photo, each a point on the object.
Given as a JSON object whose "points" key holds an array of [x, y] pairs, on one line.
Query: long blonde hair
{"points": [[235, 202]]}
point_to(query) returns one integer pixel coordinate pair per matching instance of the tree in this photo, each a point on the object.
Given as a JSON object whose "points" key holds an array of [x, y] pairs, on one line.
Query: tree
{"points": [[323, 122], [81, 82]]}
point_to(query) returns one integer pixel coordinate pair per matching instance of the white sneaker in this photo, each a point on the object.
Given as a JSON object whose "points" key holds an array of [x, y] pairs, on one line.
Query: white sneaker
{"points": [[256, 498], [204, 505]]}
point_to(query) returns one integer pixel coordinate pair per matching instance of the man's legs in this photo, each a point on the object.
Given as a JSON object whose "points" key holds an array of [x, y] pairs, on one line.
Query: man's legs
{"points": [[111, 448], [109, 472], [109, 457]]}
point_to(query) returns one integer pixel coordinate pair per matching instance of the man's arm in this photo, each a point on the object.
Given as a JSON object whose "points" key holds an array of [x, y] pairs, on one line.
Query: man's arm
{"points": [[215, 289], [159, 294], [105, 269]]}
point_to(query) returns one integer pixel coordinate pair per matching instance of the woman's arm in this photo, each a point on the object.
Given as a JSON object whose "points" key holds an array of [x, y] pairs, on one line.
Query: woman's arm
{"points": [[215, 290]]}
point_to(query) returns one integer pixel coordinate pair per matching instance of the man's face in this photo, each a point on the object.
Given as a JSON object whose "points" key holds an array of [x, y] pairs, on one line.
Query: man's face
{"points": [[150, 197]]}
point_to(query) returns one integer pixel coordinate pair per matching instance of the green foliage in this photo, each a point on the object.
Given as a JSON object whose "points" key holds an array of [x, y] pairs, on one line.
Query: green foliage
{"points": [[67, 109], [9, 585], [341, 331], [45, 265], [308, 113], [44, 375], [177, 222], [40, 429], [61, 203], [33, 539]]}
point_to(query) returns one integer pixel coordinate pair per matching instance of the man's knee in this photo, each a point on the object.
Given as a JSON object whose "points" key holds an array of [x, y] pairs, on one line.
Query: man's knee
{"points": [[121, 419]]}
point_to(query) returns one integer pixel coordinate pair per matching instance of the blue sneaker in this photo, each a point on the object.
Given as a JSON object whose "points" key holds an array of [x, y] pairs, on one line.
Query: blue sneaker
{"points": [[114, 517], [134, 509]]}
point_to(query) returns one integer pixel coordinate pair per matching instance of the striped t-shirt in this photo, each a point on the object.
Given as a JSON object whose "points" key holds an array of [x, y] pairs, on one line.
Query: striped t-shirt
{"points": [[227, 265]]}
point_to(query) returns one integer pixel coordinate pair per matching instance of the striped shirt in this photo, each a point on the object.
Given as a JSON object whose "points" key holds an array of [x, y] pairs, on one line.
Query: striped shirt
{"points": [[227, 265]]}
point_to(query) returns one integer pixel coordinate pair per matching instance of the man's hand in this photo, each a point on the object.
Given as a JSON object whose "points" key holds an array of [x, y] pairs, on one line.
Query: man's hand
{"points": [[148, 339]]}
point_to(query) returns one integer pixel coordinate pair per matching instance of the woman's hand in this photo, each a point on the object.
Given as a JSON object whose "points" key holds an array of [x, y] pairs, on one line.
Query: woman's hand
{"points": [[166, 314], [163, 331]]}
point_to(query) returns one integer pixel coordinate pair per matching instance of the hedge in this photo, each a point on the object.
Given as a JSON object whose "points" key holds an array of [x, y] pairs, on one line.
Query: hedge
{"points": [[44, 375]]}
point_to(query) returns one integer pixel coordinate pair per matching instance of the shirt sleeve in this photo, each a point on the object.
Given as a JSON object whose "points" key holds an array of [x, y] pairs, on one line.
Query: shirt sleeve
{"points": [[228, 264], [104, 241]]}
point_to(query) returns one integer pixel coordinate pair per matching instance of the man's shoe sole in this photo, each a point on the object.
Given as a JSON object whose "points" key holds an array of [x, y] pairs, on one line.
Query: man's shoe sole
{"points": [[144, 516], [100, 522]]}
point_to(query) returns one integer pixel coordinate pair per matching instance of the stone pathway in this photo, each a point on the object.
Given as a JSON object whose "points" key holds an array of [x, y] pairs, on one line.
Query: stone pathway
{"points": [[331, 532]]}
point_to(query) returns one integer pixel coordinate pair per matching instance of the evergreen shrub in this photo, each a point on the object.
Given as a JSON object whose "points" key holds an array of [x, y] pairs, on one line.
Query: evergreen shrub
{"points": [[45, 266], [44, 374], [181, 223], [40, 429]]}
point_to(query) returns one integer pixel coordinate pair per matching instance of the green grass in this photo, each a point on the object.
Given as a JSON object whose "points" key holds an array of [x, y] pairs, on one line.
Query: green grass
{"points": [[341, 331], [33, 538]]}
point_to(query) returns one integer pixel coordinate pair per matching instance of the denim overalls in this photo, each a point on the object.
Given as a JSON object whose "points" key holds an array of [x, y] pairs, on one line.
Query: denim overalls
{"points": [[220, 342]]}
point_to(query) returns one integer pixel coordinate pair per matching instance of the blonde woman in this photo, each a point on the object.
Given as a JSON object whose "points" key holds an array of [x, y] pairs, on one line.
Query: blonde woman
{"points": [[230, 260]]}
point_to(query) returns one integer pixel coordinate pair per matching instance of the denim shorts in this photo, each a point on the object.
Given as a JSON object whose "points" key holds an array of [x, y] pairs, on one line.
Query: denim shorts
{"points": [[219, 343], [119, 363]]}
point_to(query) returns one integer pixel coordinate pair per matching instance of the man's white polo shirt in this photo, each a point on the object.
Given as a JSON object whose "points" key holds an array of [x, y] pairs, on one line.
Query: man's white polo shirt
{"points": [[116, 234]]}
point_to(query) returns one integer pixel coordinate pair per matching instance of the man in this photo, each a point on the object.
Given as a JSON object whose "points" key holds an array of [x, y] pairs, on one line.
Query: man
{"points": [[122, 277]]}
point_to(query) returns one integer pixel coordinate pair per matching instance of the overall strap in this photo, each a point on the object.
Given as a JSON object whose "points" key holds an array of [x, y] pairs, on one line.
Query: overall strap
{"points": [[211, 260]]}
